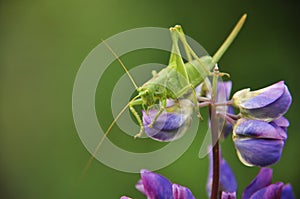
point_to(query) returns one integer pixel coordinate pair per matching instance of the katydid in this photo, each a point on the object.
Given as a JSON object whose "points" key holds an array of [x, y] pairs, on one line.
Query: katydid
{"points": [[175, 81]]}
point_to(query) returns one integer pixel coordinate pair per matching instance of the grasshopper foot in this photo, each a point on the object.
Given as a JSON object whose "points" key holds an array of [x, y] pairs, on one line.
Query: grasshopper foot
{"points": [[200, 116], [138, 135]]}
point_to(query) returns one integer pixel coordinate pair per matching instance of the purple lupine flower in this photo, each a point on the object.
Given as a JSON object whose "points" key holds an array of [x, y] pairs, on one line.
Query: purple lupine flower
{"points": [[156, 186], [261, 187], [223, 94], [172, 123], [224, 90], [180, 192], [266, 104], [228, 183], [259, 143]]}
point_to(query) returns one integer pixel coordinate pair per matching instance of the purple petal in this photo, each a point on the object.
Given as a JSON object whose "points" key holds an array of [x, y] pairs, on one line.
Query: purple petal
{"points": [[228, 195], [166, 121], [287, 192], [263, 179], [125, 197], [273, 110], [265, 96], [227, 126], [257, 142], [258, 129], [227, 180], [258, 152], [139, 186], [155, 186], [171, 123], [224, 89], [272, 191], [180, 192], [267, 104], [282, 122]]}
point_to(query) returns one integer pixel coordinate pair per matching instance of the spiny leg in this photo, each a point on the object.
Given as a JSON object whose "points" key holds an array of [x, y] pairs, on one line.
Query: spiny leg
{"points": [[179, 64], [162, 108], [188, 48], [136, 115]]}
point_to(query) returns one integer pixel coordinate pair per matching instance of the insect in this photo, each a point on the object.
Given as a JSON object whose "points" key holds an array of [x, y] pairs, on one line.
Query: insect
{"points": [[177, 80]]}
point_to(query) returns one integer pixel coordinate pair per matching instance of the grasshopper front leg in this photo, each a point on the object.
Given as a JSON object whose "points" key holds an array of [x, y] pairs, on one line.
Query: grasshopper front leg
{"points": [[136, 115], [162, 108]]}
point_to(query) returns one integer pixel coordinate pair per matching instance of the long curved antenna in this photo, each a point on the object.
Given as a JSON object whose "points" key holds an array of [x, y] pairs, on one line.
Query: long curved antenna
{"points": [[88, 163], [229, 39], [120, 61]]}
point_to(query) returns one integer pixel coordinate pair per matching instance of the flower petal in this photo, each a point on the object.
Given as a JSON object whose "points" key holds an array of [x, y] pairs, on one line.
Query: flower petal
{"points": [[226, 126], [272, 191], [282, 122], [263, 179], [224, 89], [257, 142], [258, 152], [228, 195], [287, 192], [266, 104], [258, 129], [227, 180], [155, 186], [223, 93], [139, 186], [172, 123], [262, 97], [180, 192], [125, 197]]}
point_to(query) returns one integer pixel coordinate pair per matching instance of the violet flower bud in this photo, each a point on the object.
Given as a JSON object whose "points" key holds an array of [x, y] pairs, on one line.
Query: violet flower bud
{"points": [[156, 186], [180, 192], [228, 195], [265, 104], [172, 123], [261, 187], [259, 143]]}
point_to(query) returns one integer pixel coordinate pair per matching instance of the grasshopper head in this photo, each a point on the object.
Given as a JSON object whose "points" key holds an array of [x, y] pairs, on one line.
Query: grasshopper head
{"points": [[147, 96]]}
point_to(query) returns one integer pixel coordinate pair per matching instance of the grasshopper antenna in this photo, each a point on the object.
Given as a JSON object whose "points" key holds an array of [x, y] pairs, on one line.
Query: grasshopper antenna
{"points": [[87, 165], [229, 39], [120, 61]]}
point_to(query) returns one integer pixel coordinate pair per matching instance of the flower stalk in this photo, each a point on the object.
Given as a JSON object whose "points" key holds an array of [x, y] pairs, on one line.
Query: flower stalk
{"points": [[215, 136]]}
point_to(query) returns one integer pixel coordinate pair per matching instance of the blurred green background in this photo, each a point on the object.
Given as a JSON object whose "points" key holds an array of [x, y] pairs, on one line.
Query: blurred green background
{"points": [[42, 46]]}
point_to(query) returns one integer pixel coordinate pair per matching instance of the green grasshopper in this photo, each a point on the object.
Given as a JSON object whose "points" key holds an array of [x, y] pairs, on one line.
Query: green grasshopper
{"points": [[178, 78], [175, 81]]}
